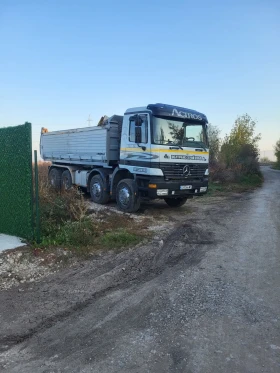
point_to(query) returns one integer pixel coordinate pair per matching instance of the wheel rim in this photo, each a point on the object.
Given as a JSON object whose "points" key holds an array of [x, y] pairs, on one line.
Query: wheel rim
{"points": [[124, 196], [52, 179], [96, 190], [66, 183]]}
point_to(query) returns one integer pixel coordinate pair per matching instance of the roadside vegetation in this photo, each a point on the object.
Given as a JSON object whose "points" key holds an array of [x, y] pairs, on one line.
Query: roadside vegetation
{"points": [[265, 160], [67, 222], [276, 166], [234, 163]]}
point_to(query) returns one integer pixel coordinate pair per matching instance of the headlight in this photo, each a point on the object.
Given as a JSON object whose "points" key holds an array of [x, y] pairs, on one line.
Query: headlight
{"points": [[206, 172], [162, 192]]}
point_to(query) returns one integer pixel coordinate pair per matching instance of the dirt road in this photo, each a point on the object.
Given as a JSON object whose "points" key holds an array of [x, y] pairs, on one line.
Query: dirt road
{"points": [[203, 298]]}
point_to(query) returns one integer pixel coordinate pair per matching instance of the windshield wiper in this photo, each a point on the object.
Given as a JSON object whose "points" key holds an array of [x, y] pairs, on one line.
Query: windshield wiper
{"points": [[172, 145], [203, 147], [198, 145], [176, 147]]}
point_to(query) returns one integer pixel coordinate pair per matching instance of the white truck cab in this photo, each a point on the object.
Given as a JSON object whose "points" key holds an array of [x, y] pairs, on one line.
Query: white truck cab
{"points": [[156, 151]]}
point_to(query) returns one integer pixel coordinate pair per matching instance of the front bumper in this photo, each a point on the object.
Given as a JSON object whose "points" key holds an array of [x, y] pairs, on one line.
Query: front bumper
{"points": [[174, 188]]}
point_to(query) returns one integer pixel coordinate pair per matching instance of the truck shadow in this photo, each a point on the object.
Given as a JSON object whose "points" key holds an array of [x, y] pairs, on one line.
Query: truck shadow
{"points": [[154, 208]]}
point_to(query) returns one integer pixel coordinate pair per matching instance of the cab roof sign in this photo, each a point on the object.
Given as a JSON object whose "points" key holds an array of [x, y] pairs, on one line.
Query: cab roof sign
{"points": [[176, 112]]}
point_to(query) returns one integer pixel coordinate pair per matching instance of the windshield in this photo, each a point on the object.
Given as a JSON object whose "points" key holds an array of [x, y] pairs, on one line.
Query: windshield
{"points": [[173, 132]]}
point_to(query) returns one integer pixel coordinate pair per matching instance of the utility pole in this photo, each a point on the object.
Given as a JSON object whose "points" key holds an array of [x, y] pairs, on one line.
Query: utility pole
{"points": [[89, 120]]}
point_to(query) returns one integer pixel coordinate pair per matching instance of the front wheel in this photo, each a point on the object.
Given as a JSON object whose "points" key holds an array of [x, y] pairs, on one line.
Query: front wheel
{"points": [[175, 202], [126, 196]]}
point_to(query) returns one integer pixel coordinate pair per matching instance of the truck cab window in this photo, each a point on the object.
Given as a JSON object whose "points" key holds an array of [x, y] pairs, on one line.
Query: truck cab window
{"points": [[132, 130], [143, 127]]}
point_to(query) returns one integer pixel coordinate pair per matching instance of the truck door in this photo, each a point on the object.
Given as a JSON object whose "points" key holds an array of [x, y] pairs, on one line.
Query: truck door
{"points": [[136, 154]]}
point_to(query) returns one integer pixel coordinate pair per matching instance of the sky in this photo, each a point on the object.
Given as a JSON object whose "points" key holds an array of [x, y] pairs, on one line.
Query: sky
{"points": [[63, 60]]}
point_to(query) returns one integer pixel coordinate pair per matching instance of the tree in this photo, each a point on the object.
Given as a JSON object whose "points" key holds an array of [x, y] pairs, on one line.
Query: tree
{"points": [[264, 160], [214, 143], [240, 147], [176, 132], [243, 131], [277, 152]]}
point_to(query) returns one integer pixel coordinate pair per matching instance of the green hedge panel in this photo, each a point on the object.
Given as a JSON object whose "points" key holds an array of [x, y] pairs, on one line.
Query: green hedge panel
{"points": [[16, 201]]}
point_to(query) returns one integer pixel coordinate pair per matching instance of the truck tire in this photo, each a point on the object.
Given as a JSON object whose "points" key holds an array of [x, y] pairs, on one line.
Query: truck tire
{"points": [[126, 196], [98, 190], [55, 178], [176, 202], [66, 180]]}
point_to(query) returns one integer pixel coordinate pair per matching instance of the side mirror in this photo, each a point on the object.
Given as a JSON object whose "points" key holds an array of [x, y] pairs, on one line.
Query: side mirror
{"points": [[133, 118], [137, 119], [138, 135]]}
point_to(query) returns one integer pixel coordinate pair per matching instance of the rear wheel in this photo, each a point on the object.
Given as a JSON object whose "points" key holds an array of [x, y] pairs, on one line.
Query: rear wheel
{"points": [[175, 202], [55, 178], [127, 196], [98, 190], [66, 180]]}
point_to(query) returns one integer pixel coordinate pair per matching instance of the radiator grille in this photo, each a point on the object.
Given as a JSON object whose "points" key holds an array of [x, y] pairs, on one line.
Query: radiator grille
{"points": [[176, 170]]}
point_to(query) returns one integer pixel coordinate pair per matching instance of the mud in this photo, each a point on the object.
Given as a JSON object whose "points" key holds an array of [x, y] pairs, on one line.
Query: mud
{"points": [[202, 296]]}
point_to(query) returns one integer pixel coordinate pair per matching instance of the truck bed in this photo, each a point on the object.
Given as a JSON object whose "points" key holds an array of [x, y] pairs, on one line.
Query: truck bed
{"points": [[84, 146]]}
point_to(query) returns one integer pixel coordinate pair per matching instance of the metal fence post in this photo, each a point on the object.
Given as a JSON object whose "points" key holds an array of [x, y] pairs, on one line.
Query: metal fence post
{"points": [[38, 233]]}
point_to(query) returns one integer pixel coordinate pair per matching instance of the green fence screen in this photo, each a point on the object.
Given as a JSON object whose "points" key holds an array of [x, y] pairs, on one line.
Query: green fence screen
{"points": [[16, 200]]}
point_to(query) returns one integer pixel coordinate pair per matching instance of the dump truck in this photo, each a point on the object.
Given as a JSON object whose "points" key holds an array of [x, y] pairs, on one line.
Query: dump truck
{"points": [[153, 152]]}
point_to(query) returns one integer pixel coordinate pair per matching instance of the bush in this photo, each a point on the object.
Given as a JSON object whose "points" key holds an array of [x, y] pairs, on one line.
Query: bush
{"points": [[265, 160], [71, 234], [214, 143], [220, 173], [247, 157], [57, 208], [62, 214], [65, 222], [277, 153], [239, 151]]}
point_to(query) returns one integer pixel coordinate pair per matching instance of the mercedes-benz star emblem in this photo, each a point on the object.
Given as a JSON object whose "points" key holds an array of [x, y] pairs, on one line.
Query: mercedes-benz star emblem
{"points": [[186, 170]]}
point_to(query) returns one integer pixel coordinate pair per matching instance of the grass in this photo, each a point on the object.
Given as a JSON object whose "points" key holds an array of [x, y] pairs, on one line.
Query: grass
{"points": [[246, 183], [275, 166], [216, 188], [251, 180], [67, 223], [120, 238], [87, 236], [71, 234]]}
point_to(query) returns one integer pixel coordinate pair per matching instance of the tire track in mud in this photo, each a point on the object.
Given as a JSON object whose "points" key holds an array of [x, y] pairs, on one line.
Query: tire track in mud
{"points": [[187, 241]]}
